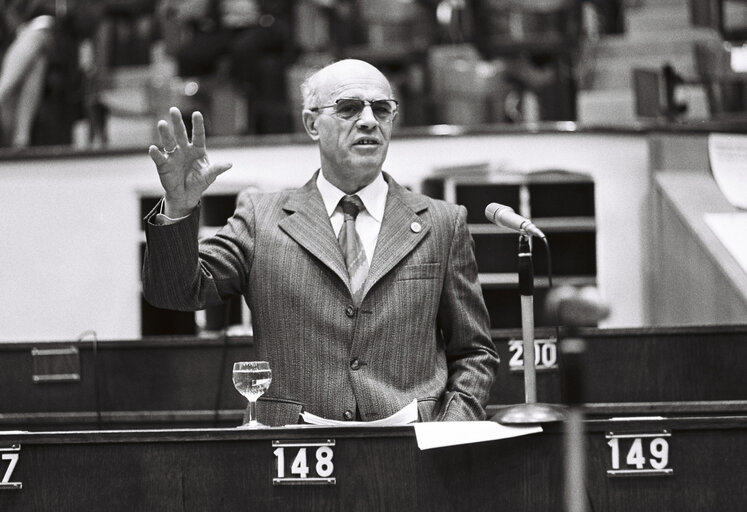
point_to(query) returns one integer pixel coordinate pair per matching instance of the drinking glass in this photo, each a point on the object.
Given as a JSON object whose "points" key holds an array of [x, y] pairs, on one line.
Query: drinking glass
{"points": [[251, 379]]}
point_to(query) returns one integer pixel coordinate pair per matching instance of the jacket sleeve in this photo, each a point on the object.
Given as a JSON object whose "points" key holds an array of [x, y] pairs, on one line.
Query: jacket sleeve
{"points": [[465, 326], [182, 273]]}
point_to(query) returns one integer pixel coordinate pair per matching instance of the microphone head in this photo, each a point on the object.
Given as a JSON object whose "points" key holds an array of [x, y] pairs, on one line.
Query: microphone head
{"points": [[576, 306], [495, 209]]}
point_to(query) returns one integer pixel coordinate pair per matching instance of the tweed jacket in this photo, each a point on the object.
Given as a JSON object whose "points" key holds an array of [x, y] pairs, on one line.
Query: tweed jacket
{"points": [[421, 330]]}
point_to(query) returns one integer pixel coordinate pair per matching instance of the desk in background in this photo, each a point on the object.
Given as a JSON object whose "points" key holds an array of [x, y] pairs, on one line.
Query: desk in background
{"points": [[186, 381], [694, 279]]}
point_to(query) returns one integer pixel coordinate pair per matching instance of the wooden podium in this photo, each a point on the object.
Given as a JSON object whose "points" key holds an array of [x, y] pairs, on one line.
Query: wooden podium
{"points": [[683, 464]]}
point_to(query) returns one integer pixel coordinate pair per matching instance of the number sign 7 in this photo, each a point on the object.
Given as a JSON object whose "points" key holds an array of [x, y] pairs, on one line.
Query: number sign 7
{"points": [[11, 455]]}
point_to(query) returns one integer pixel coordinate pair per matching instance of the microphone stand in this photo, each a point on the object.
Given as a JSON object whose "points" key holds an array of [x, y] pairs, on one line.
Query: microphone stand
{"points": [[575, 309], [574, 495], [529, 412]]}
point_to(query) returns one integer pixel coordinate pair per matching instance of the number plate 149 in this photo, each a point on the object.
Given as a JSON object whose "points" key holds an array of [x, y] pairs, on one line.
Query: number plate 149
{"points": [[639, 454]]}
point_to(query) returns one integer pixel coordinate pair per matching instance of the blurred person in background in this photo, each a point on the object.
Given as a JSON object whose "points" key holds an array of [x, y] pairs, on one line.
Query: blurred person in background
{"points": [[41, 83], [236, 32], [29, 26]]}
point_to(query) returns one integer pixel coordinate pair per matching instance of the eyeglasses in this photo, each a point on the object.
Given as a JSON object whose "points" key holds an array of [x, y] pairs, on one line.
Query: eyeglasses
{"points": [[351, 108]]}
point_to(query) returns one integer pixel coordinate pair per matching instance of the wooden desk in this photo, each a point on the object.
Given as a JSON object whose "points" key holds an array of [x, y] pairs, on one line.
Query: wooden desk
{"points": [[186, 381], [375, 469], [694, 279], [160, 381], [656, 364]]}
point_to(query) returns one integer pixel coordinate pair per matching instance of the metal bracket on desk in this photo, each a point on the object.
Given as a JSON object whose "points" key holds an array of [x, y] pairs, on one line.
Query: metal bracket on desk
{"points": [[56, 364]]}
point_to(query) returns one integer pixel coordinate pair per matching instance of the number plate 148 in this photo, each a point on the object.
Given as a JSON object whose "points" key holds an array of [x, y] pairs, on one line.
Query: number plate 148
{"points": [[304, 463]]}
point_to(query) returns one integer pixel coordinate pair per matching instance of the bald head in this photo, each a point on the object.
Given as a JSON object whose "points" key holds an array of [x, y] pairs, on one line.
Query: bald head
{"points": [[353, 142], [328, 81]]}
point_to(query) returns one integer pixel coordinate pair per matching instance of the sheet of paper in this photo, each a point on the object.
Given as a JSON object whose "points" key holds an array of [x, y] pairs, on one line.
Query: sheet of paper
{"points": [[728, 157], [731, 230], [408, 414], [450, 433]]}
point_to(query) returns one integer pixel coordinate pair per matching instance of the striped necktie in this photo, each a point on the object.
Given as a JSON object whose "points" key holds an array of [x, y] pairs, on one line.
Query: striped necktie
{"points": [[352, 248]]}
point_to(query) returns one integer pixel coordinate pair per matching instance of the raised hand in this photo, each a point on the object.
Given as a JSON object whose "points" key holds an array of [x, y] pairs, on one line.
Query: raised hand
{"points": [[183, 166]]}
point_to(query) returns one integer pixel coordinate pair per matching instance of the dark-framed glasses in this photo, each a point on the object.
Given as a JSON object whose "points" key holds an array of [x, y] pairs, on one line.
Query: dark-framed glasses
{"points": [[351, 108]]}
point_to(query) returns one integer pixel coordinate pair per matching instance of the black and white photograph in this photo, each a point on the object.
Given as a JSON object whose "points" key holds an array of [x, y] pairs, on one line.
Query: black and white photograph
{"points": [[373, 255]]}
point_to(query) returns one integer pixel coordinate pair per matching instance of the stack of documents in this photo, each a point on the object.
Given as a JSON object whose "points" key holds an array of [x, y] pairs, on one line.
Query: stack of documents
{"points": [[434, 434], [408, 414]]}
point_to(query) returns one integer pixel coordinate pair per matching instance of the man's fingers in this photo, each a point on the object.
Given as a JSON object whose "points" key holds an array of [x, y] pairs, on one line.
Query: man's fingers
{"points": [[167, 137], [155, 154], [198, 130], [215, 170], [180, 129]]}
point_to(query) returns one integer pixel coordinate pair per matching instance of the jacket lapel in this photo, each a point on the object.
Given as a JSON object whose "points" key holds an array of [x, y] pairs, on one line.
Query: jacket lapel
{"points": [[397, 237], [308, 224]]}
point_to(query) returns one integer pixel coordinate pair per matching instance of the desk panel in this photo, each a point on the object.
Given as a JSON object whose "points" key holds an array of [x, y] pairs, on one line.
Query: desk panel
{"points": [[694, 279], [694, 363], [375, 469], [186, 382]]}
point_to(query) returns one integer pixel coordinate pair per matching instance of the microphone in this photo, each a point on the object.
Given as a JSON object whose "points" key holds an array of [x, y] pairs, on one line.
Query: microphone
{"points": [[502, 215], [576, 307]]}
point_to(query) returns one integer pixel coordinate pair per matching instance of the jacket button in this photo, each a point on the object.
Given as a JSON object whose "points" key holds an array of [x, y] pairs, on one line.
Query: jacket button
{"points": [[350, 311], [355, 364], [348, 415]]}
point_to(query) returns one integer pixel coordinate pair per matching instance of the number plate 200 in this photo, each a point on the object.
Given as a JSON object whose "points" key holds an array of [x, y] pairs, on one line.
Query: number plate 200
{"points": [[545, 355], [304, 463]]}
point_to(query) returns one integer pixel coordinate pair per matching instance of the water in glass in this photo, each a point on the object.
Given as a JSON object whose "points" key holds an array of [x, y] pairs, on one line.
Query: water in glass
{"points": [[252, 383], [251, 379]]}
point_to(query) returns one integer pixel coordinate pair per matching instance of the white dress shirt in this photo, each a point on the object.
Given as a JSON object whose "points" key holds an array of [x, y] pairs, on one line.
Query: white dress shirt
{"points": [[369, 220]]}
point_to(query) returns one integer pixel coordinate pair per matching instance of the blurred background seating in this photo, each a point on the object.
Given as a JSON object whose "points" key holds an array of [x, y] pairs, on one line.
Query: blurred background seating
{"points": [[724, 82], [467, 62]]}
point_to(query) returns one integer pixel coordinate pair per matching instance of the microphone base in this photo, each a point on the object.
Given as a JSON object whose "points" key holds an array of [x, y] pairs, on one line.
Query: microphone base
{"points": [[529, 414]]}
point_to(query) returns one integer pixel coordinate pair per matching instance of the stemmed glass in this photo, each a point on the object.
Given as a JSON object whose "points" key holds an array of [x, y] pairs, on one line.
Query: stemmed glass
{"points": [[251, 379]]}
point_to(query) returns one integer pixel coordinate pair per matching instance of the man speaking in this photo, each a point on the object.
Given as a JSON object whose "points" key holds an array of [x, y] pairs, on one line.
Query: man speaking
{"points": [[364, 295]]}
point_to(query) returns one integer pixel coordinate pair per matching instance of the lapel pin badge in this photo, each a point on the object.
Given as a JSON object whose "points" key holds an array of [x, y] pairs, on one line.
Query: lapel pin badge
{"points": [[416, 227]]}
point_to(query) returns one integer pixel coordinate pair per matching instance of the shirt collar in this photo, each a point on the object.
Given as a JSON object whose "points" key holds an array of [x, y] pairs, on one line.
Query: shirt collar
{"points": [[372, 195]]}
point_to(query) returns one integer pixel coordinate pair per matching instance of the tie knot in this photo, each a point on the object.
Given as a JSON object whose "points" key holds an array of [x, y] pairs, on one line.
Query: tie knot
{"points": [[351, 206]]}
